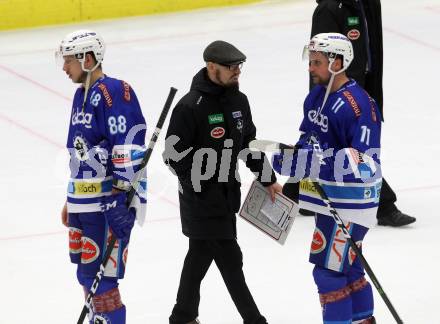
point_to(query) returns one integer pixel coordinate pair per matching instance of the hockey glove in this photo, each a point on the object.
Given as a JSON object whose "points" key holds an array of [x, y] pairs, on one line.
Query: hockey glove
{"points": [[119, 217]]}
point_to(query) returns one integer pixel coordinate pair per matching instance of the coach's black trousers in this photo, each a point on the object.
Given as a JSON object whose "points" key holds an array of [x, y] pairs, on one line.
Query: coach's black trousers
{"points": [[229, 260]]}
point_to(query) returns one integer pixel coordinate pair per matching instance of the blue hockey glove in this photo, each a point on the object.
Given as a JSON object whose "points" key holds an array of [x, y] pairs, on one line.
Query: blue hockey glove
{"points": [[119, 217]]}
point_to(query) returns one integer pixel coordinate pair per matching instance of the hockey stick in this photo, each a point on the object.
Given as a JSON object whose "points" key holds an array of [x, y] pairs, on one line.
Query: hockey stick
{"points": [[274, 147], [130, 196], [358, 252], [268, 146]]}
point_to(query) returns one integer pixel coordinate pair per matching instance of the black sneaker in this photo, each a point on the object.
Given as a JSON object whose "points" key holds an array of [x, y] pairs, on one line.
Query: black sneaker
{"points": [[395, 219], [196, 321], [305, 212]]}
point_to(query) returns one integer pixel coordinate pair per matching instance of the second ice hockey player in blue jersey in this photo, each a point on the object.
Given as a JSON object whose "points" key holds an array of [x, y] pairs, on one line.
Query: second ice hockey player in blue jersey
{"points": [[106, 145], [339, 148]]}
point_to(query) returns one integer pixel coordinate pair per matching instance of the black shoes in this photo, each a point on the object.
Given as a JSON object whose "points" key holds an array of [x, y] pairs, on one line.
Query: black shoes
{"points": [[305, 212], [395, 219]]}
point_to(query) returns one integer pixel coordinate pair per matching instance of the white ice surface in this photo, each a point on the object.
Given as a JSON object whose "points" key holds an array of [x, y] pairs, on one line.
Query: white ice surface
{"points": [[153, 53]]}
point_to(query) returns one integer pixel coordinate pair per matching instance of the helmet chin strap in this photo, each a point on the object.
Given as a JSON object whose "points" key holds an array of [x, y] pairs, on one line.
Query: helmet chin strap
{"points": [[329, 86], [87, 84]]}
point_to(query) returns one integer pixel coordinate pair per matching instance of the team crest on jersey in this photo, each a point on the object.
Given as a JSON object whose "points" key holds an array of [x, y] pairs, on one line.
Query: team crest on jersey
{"points": [[321, 120], [90, 250], [75, 235], [318, 242], [81, 148], [101, 319], [108, 98]]}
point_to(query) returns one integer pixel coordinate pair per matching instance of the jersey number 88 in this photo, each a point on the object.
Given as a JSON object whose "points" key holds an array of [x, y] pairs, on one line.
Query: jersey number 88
{"points": [[117, 125]]}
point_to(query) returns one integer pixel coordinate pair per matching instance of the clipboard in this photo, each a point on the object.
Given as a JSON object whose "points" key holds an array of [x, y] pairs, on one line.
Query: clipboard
{"points": [[273, 219]]}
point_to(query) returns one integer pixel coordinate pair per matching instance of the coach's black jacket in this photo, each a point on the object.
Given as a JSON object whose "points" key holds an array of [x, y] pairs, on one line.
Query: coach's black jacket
{"points": [[204, 118], [346, 17]]}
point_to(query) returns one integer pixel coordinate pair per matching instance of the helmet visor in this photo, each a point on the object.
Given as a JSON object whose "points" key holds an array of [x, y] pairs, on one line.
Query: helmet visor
{"points": [[59, 59], [305, 53]]}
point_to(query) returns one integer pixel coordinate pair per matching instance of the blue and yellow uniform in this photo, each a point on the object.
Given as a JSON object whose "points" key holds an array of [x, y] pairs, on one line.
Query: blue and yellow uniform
{"points": [[340, 148], [106, 145]]}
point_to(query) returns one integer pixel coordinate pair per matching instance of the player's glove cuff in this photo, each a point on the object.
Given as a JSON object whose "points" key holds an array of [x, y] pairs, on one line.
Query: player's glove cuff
{"points": [[118, 216]]}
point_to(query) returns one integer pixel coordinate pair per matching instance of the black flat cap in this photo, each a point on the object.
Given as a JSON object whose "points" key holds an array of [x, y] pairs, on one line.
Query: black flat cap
{"points": [[222, 52]]}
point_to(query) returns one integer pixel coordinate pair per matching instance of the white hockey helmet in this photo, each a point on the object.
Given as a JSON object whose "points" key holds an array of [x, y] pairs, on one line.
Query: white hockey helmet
{"points": [[81, 42], [331, 44]]}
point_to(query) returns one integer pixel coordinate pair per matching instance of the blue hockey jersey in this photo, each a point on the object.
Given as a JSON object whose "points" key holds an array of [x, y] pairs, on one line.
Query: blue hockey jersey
{"points": [[340, 148], [106, 143]]}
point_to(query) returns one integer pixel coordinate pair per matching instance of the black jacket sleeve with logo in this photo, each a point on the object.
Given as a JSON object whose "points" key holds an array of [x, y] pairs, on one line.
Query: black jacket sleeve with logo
{"points": [[346, 17]]}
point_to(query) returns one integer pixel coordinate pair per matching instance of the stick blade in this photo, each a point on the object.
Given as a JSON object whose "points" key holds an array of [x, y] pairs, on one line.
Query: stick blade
{"points": [[268, 146]]}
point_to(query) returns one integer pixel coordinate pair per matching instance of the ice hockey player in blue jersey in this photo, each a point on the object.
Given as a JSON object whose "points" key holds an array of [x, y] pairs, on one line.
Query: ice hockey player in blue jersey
{"points": [[339, 148], [106, 144]]}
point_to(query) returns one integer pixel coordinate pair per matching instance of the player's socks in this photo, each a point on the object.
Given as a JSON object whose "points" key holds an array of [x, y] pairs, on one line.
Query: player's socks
{"points": [[362, 300]]}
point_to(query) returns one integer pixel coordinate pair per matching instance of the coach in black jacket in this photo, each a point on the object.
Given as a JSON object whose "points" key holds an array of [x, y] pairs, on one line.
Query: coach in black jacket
{"points": [[209, 128], [361, 22]]}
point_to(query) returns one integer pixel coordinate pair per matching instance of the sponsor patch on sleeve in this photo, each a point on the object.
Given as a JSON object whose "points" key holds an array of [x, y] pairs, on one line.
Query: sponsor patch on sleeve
{"points": [[108, 98], [126, 86], [352, 102]]}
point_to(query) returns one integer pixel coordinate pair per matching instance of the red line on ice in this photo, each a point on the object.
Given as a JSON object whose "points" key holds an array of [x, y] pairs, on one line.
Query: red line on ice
{"points": [[40, 85], [29, 130]]}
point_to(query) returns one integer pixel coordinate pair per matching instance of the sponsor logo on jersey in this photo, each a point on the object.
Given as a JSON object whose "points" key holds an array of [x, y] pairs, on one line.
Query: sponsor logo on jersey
{"points": [[352, 254], [373, 109], [127, 95], [108, 98], [353, 34], [121, 157], [81, 148], [125, 255], [336, 255], [367, 193], [353, 21], [318, 242], [82, 118], [218, 132], [353, 103], [236, 114], [90, 250], [307, 186], [320, 120], [75, 235], [215, 119], [84, 188]]}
